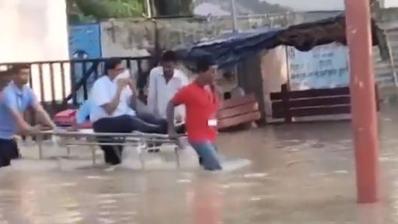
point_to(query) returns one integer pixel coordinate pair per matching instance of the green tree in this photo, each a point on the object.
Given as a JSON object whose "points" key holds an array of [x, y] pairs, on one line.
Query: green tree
{"points": [[172, 7], [94, 10], [88, 10]]}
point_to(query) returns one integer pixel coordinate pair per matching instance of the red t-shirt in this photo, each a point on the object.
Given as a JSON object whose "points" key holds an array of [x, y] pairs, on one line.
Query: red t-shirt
{"points": [[201, 106]]}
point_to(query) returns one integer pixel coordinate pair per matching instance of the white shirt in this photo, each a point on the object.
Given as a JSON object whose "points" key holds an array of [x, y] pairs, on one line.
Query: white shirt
{"points": [[103, 91], [161, 92]]}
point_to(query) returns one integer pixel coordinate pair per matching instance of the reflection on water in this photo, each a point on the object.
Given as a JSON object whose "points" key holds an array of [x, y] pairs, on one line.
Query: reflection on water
{"points": [[300, 173]]}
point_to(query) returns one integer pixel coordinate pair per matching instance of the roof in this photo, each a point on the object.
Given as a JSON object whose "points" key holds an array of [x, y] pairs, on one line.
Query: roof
{"points": [[232, 48]]}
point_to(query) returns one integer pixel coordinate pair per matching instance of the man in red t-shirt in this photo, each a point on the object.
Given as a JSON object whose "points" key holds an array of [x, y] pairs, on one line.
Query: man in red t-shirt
{"points": [[201, 102]]}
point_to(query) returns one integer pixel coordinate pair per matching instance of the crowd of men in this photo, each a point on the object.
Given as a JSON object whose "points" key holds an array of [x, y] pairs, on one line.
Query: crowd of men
{"points": [[174, 104]]}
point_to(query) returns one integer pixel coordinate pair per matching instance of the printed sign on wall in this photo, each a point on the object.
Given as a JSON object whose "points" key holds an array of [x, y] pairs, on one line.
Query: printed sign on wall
{"points": [[324, 66]]}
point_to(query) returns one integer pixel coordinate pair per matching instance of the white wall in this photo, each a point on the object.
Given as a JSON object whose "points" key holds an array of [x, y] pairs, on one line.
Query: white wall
{"points": [[390, 3], [34, 30]]}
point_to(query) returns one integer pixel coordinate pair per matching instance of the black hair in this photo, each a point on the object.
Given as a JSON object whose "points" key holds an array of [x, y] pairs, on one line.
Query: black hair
{"points": [[169, 56], [204, 63], [111, 63], [16, 68]]}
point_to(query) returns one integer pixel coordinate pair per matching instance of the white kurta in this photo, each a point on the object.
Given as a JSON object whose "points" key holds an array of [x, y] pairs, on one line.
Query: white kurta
{"points": [[161, 92]]}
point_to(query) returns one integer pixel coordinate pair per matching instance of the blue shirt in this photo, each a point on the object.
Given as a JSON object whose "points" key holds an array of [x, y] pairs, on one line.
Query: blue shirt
{"points": [[84, 111], [13, 98]]}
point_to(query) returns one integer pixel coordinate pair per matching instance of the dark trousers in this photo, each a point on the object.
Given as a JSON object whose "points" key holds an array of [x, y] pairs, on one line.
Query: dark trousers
{"points": [[143, 122], [8, 151]]}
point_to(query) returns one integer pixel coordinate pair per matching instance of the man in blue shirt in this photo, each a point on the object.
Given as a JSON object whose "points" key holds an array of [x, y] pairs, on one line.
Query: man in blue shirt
{"points": [[16, 99]]}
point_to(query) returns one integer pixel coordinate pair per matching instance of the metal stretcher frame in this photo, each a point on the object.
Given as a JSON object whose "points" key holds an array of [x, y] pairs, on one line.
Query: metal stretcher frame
{"points": [[139, 141]]}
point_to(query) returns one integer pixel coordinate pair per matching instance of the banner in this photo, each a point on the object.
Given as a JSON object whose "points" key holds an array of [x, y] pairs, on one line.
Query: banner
{"points": [[324, 66]]}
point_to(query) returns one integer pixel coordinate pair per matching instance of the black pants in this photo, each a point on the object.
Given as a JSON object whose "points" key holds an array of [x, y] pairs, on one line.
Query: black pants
{"points": [[8, 151], [146, 123]]}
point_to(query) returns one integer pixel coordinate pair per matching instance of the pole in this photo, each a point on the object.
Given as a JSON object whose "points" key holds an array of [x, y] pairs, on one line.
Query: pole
{"points": [[149, 8], [234, 17], [363, 99]]}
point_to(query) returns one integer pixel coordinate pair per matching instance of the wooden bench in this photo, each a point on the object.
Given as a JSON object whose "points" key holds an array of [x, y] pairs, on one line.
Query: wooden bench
{"points": [[238, 111], [315, 102]]}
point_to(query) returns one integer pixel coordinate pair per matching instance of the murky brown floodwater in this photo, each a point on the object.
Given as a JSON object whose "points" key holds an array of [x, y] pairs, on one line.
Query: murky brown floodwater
{"points": [[300, 173]]}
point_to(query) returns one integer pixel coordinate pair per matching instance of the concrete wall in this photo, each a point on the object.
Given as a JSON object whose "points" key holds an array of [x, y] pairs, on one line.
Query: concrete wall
{"points": [[127, 38], [274, 72], [135, 37]]}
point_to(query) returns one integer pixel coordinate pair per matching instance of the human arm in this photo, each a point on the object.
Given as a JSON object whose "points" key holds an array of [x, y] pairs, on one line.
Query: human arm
{"points": [[170, 119], [133, 94], [152, 92], [43, 117], [102, 98], [180, 110], [24, 128], [181, 98], [41, 114]]}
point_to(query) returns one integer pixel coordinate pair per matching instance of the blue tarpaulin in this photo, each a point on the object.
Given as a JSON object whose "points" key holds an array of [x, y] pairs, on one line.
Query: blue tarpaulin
{"points": [[232, 48]]}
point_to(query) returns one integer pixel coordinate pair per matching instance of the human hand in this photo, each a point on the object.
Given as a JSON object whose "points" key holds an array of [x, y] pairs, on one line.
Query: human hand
{"points": [[121, 83], [34, 129]]}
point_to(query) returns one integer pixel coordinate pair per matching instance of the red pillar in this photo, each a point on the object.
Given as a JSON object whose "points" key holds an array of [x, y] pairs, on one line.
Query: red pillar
{"points": [[363, 103]]}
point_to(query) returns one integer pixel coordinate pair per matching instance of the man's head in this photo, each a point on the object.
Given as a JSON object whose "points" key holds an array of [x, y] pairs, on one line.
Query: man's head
{"points": [[5, 78], [169, 62], [206, 69], [114, 67], [20, 74]]}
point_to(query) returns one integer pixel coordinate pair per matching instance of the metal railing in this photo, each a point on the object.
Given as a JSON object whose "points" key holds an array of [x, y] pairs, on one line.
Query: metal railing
{"points": [[66, 83]]}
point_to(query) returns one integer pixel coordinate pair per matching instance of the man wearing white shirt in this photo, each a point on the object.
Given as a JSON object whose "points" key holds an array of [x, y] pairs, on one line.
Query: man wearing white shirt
{"points": [[112, 101], [164, 82]]}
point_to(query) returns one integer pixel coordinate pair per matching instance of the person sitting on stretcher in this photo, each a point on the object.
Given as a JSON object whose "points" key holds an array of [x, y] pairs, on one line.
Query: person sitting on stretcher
{"points": [[111, 110]]}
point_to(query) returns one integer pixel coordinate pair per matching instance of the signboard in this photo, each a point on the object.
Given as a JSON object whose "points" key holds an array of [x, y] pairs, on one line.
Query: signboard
{"points": [[324, 66], [85, 41]]}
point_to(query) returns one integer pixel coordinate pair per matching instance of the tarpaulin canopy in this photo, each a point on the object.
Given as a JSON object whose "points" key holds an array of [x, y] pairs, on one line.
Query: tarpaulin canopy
{"points": [[232, 48]]}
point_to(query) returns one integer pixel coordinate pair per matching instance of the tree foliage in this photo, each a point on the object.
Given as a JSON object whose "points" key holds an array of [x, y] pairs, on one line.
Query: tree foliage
{"points": [[173, 7], [83, 10], [94, 10]]}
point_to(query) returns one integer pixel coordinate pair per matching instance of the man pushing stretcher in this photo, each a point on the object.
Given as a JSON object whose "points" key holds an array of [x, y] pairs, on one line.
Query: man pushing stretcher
{"points": [[201, 102], [15, 99]]}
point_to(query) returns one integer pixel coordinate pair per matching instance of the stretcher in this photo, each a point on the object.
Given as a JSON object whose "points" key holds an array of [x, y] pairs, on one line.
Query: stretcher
{"points": [[141, 142]]}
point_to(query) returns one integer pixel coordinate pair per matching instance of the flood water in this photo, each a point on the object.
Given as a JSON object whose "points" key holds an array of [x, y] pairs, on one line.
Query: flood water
{"points": [[301, 173]]}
